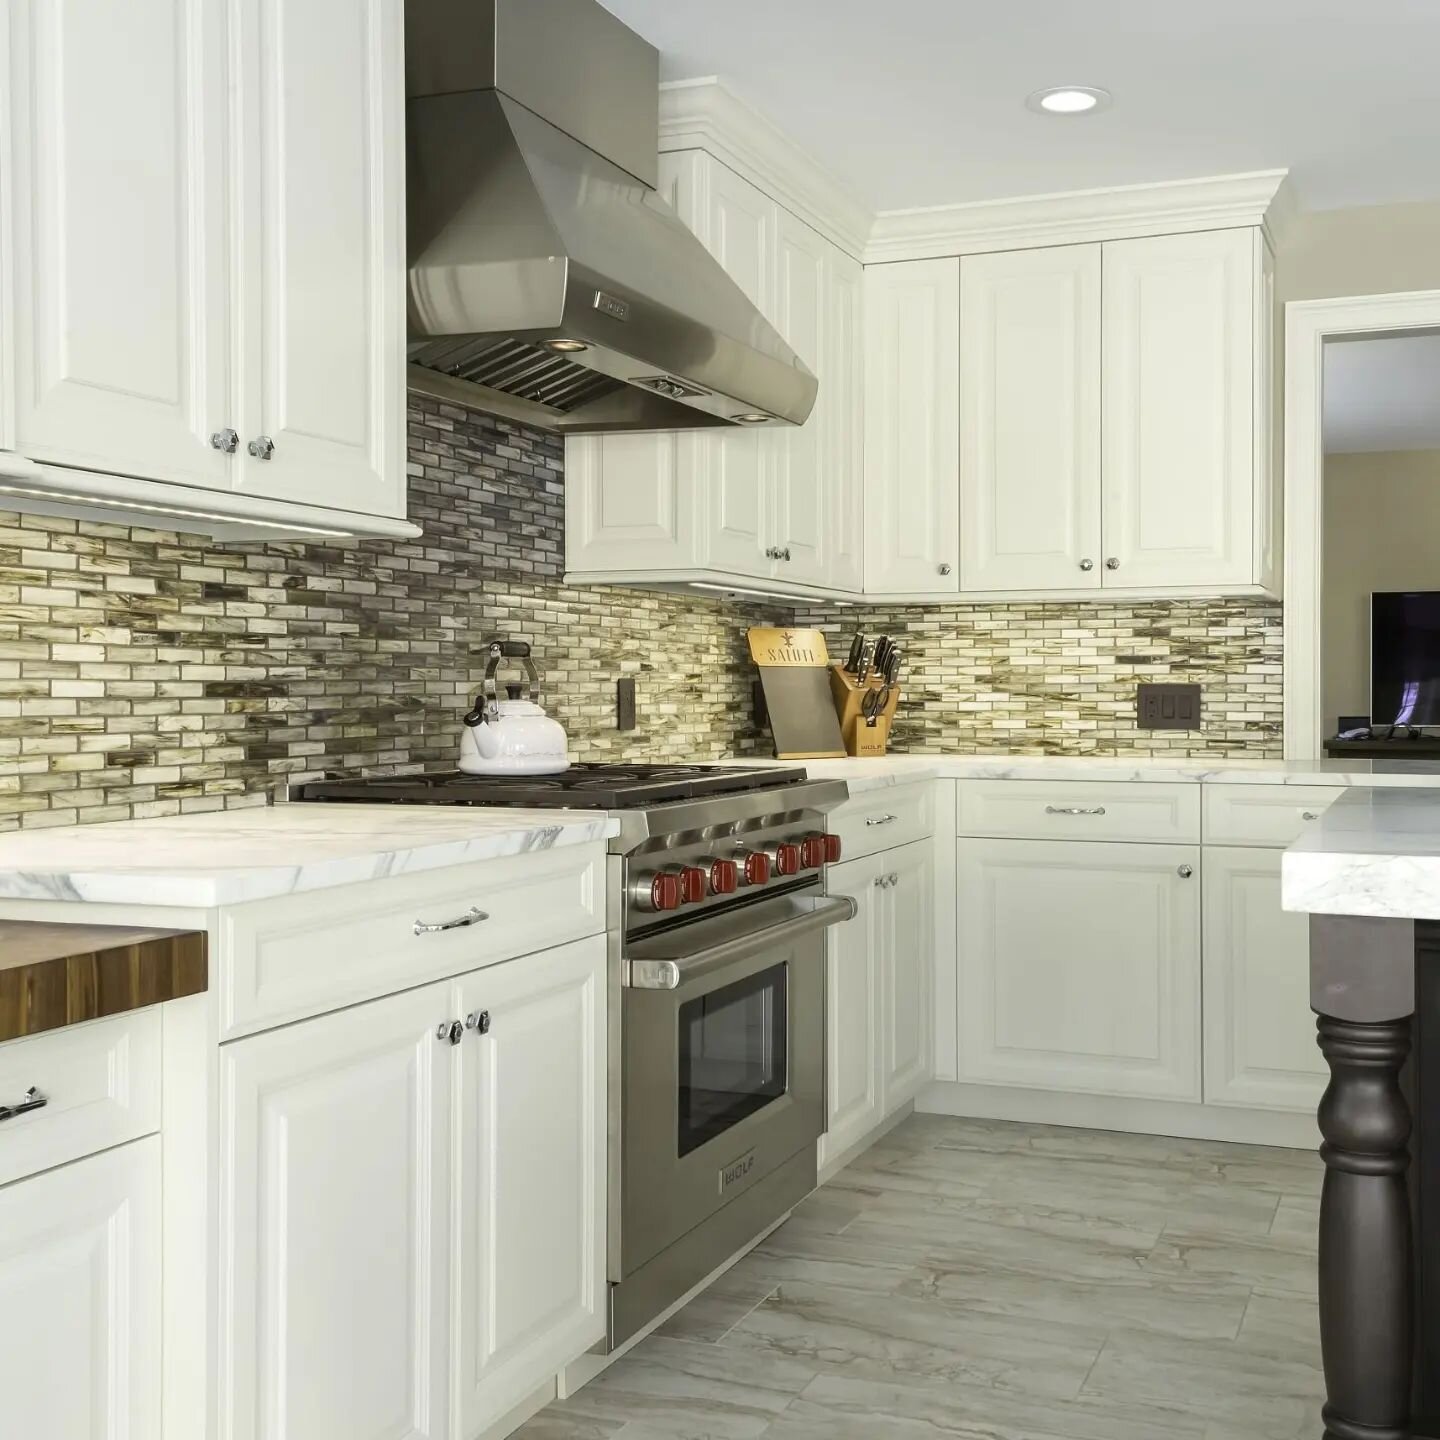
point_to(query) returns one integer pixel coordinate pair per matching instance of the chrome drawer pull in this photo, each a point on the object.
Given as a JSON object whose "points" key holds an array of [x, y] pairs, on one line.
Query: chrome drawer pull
{"points": [[473, 916], [1074, 810], [882, 819], [33, 1100]]}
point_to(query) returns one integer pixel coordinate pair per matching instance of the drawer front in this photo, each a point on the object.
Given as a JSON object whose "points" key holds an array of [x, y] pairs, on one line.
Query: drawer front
{"points": [[1078, 810], [1264, 814], [284, 960], [101, 1083], [884, 819]]}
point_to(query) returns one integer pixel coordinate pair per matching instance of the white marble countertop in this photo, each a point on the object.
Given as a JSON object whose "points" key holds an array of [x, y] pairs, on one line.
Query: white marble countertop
{"points": [[230, 856], [904, 769], [1373, 852]]}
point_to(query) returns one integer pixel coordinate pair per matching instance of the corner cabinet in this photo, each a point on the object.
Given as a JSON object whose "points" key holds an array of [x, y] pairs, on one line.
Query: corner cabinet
{"points": [[219, 333], [778, 507]]}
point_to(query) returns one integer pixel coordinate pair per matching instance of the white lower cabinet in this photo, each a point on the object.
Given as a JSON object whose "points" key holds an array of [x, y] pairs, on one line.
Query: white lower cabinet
{"points": [[411, 1228], [1260, 1045], [80, 1299], [1080, 966], [530, 1217], [877, 991]]}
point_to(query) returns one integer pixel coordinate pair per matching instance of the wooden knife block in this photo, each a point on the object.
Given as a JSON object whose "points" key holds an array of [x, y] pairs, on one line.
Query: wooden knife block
{"points": [[860, 737]]}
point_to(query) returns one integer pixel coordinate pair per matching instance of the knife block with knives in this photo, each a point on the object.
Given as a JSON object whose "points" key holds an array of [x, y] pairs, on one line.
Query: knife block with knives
{"points": [[866, 692]]}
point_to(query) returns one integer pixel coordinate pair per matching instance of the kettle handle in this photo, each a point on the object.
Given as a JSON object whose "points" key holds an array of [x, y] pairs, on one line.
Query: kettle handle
{"points": [[487, 704]]}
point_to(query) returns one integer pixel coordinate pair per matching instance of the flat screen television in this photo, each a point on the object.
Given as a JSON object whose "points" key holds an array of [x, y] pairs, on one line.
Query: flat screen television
{"points": [[1405, 657]]}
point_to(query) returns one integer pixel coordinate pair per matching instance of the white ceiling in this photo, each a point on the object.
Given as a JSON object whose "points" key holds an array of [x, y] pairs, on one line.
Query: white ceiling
{"points": [[1382, 395], [921, 102]]}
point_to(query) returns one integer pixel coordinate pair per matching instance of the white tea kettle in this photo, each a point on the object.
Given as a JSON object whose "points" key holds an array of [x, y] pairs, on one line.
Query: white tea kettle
{"points": [[513, 736]]}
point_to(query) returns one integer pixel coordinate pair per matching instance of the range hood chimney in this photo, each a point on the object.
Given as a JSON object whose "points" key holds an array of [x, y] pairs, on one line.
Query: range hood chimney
{"points": [[548, 281]]}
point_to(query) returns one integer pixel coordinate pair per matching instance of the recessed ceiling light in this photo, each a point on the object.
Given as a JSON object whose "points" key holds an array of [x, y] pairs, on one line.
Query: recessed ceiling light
{"points": [[1069, 100], [566, 346], [752, 417]]}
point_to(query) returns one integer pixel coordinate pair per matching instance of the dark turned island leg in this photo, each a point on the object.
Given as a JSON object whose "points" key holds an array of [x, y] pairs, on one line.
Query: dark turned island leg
{"points": [[1362, 987]]}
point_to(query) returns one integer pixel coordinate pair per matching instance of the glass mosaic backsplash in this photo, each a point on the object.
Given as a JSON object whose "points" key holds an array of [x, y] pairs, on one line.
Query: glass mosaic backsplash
{"points": [[145, 673]]}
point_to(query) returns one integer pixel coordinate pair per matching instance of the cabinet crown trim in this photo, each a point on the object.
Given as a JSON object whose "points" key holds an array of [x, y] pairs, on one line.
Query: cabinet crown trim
{"points": [[1260, 198], [703, 115]]}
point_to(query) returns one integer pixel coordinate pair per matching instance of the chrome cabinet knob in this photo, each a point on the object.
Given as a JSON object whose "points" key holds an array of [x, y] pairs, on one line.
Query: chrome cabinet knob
{"points": [[478, 1021], [1112, 563], [1309, 814], [785, 553], [1087, 564], [944, 569], [262, 447], [1185, 871], [451, 1030], [227, 440]]}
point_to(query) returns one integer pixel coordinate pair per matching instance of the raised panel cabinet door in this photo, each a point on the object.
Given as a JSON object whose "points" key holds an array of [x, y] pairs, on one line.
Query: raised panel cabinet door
{"points": [[530, 1178], [628, 506], [1259, 1030], [912, 427], [907, 959], [80, 1299], [320, 278], [852, 1008], [740, 230], [802, 488], [1080, 966], [117, 340], [334, 1285], [1179, 452], [842, 422], [1030, 420]]}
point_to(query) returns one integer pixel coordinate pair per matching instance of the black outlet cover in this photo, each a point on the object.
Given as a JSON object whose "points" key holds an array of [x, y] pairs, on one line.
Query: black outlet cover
{"points": [[1167, 707], [625, 703]]}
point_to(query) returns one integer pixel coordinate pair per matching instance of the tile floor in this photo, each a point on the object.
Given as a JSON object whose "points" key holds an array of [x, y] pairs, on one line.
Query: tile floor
{"points": [[999, 1282]]}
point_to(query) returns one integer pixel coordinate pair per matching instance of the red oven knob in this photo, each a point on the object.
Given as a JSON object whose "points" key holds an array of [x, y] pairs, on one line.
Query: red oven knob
{"points": [[724, 877], [660, 891], [832, 849], [812, 852], [757, 868], [692, 884], [786, 856]]}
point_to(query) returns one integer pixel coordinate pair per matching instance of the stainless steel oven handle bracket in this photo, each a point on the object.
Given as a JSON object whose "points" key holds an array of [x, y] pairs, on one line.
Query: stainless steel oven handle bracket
{"points": [[672, 974]]}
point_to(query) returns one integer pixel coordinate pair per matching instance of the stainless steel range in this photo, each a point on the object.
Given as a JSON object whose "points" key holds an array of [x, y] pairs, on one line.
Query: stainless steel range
{"points": [[716, 924]]}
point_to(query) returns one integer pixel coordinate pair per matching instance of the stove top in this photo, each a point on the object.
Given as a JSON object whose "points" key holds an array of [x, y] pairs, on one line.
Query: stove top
{"points": [[581, 787]]}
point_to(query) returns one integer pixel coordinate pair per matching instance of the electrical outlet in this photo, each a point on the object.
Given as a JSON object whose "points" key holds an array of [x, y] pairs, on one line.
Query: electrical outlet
{"points": [[625, 703], [1167, 707]]}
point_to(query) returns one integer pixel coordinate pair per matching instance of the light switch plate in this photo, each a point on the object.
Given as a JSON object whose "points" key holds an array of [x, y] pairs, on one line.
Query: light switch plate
{"points": [[1167, 707]]}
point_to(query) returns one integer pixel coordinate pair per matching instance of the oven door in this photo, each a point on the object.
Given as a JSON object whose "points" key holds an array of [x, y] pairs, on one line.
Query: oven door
{"points": [[724, 1062]]}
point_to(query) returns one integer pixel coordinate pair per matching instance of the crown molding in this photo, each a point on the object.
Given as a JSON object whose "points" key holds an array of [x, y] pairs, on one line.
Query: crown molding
{"points": [[704, 115], [1222, 202]]}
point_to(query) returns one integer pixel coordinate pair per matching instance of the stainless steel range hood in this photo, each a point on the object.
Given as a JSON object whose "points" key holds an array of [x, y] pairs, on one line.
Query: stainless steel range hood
{"points": [[548, 280]]}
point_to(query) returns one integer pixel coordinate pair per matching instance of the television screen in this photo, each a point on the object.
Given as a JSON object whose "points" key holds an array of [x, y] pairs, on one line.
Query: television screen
{"points": [[1405, 657]]}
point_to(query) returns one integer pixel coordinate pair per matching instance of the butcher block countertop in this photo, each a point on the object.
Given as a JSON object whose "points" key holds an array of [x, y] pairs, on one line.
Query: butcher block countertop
{"points": [[53, 975]]}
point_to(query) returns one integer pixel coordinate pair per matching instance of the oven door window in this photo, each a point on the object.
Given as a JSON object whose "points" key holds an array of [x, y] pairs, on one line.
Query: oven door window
{"points": [[732, 1055]]}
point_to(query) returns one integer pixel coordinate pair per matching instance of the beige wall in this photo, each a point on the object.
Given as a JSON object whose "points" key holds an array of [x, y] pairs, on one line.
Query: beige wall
{"points": [[1382, 532], [1368, 250]]}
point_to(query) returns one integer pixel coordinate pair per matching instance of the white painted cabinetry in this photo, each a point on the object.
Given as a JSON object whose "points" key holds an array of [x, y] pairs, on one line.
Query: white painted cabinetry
{"points": [[779, 506], [912, 430], [1080, 966], [1030, 420], [80, 1299], [908, 928], [246, 278]]}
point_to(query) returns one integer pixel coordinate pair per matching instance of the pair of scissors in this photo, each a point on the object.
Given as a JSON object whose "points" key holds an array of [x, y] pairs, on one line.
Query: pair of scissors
{"points": [[873, 703]]}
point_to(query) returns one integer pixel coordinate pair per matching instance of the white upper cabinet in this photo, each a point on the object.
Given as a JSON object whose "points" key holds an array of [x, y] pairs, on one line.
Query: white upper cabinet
{"points": [[912, 433], [1030, 420], [1180, 383], [203, 249], [778, 506], [319, 169], [119, 342]]}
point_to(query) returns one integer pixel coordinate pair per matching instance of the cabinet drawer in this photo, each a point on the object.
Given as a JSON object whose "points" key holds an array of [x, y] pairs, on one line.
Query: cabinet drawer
{"points": [[1263, 814], [283, 960], [882, 819], [101, 1081], [1078, 810]]}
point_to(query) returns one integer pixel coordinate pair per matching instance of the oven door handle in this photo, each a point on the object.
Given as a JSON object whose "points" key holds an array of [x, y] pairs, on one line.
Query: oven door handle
{"points": [[672, 974]]}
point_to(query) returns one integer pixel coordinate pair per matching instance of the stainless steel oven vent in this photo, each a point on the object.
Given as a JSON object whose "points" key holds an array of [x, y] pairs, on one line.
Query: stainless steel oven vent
{"points": [[529, 372]]}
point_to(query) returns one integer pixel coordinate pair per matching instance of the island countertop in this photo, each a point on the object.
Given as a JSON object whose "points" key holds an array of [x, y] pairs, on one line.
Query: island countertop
{"points": [[1374, 852], [230, 856]]}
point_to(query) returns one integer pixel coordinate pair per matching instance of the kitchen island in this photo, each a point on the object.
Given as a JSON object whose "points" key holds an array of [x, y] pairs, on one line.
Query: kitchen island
{"points": [[1368, 875]]}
